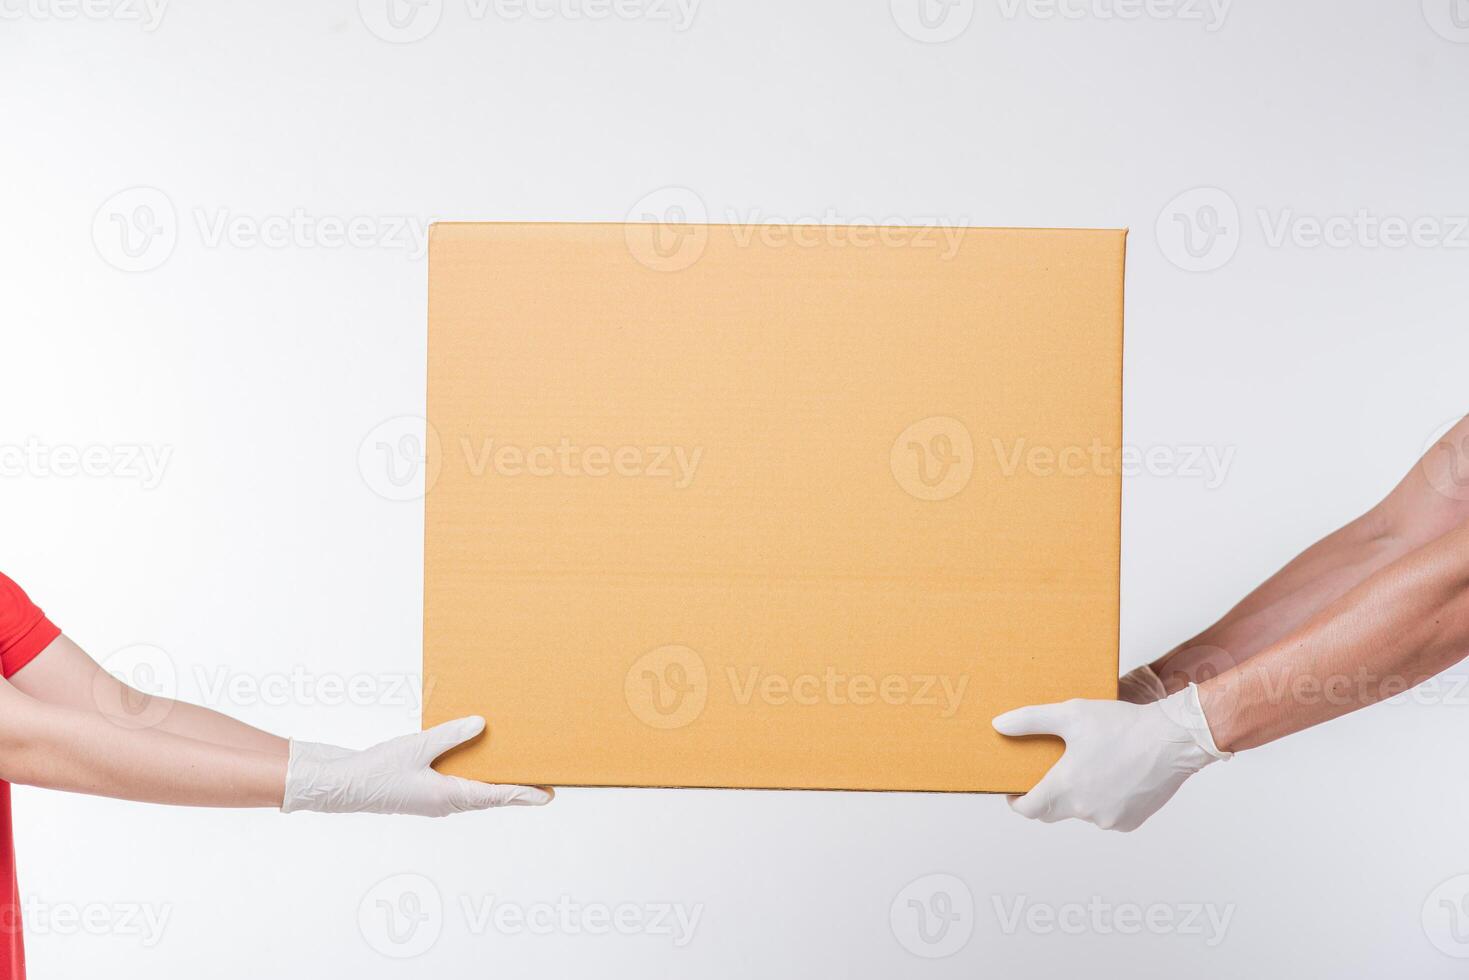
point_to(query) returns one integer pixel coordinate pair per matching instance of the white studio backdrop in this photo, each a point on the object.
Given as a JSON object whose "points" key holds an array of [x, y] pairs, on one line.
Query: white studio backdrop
{"points": [[214, 289]]}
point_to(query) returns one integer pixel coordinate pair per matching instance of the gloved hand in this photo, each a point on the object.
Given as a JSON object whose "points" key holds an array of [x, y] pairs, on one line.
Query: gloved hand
{"points": [[1122, 761], [394, 777], [1141, 685]]}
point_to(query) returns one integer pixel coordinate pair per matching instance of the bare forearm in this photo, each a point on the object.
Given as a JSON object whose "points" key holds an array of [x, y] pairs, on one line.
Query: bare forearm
{"points": [[1404, 624], [1417, 512], [1316, 578], [63, 675], [207, 725], [61, 748]]}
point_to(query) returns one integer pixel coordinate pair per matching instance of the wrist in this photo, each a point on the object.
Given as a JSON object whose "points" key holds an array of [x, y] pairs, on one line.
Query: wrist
{"points": [[1141, 685], [1172, 675], [273, 769]]}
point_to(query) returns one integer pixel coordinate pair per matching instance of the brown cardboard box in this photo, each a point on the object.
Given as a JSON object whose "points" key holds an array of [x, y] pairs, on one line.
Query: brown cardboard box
{"points": [[769, 506]]}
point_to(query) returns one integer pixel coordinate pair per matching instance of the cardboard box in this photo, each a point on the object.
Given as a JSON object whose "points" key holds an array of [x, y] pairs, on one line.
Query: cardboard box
{"points": [[772, 506]]}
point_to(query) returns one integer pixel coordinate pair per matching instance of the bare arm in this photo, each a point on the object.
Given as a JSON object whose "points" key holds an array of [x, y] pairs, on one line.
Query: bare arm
{"points": [[91, 743], [1432, 499], [63, 675], [66, 724], [1401, 626], [1365, 615], [1123, 761], [58, 747]]}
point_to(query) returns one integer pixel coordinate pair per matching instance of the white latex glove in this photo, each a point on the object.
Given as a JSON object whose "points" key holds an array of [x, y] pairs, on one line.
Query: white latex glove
{"points": [[394, 777], [1141, 685], [1122, 761]]}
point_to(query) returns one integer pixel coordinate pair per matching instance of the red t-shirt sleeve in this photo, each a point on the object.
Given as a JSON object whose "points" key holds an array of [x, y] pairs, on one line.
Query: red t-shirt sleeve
{"points": [[24, 629]]}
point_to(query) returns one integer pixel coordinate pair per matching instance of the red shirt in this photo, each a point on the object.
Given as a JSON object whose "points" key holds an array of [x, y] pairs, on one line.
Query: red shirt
{"points": [[24, 632]]}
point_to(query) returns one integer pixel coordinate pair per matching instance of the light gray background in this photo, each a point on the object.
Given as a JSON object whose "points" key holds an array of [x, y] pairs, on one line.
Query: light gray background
{"points": [[262, 368]]}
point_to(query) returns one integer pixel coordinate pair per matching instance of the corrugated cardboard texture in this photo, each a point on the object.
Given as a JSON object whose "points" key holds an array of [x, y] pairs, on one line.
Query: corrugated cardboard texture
{"points": [[769, 507]]}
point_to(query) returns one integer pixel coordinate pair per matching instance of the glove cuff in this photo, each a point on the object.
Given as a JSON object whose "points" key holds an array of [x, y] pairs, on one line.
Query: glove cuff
{"points": [[293, 798], [1184, 710], [304, 783]]}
